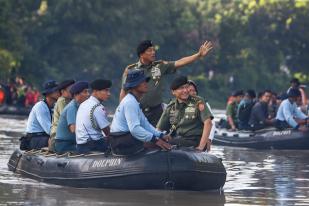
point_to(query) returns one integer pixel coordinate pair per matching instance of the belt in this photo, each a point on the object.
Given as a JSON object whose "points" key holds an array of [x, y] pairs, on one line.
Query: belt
{"points": [[64, 140], [36, 134], [90, 141], [147, 109]]}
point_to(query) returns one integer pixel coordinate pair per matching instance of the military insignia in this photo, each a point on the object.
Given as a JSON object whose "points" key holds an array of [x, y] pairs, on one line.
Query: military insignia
{"points": [[190, 109], [173, 115], [156, 74], [190, 104], [201, 106]]}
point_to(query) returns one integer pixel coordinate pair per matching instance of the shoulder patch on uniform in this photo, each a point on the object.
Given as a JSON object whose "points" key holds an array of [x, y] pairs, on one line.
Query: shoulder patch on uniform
{"points": [[171, 103], [201, 106], [131, 66]]}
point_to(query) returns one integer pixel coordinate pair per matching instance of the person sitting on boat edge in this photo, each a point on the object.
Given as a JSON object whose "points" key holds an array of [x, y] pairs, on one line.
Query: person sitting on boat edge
{"points": [[259, 114], [187, 117], [194, 92], [65, 140], [92, 125], [130, 128], [289, 115], [231, 110], [40, 117], [63, 100], [244, 109]]}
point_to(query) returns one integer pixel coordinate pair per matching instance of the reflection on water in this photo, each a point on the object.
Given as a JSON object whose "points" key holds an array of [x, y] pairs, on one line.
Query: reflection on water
{"points": [[49, 195], [254, 178]]}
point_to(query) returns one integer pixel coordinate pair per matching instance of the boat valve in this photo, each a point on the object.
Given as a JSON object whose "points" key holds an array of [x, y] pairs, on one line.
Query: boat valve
{"points": [[169, 185], [62, 164], [40, 162]]}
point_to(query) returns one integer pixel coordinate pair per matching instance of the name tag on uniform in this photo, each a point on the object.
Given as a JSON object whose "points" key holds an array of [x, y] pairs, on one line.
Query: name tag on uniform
{"points": [[190, 111], [173, 115]]}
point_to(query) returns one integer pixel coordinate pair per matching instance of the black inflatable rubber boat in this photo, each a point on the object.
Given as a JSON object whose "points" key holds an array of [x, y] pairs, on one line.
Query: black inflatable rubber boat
{"points": [[14, 110], [269, 138], [179, 169]]}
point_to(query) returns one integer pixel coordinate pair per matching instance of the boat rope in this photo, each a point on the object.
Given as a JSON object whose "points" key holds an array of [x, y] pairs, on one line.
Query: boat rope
{"points": [[19, 155], [169, 184]]}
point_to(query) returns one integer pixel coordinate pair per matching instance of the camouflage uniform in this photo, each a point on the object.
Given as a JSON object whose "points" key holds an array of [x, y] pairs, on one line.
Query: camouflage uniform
{"points": [[152, 100], [231, 110], [59, 106], [186, 120]]}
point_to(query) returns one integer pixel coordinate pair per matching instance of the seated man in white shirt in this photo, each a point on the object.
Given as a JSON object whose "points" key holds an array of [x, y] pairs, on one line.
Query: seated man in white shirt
{"points": [[289, 115], [130, 128], [92, 125], [40, 117]]}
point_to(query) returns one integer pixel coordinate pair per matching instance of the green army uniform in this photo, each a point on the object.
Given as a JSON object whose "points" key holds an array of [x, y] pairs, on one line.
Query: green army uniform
{"points": [[231, 110], [152, 100], [186, 119], [59, 106]]}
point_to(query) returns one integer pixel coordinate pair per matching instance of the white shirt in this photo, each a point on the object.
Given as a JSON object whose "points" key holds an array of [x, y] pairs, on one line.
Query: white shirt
{"points": [[287, 111], [85, 128], [39, 119], [129, 117]]}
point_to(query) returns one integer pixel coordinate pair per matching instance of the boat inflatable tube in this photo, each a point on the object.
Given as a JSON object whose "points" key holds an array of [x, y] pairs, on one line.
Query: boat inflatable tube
{"points": [[269, 138], [179, 169]]}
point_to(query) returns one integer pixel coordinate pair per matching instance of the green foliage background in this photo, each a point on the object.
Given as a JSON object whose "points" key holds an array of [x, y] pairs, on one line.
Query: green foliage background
{"points": [[260, 43]]}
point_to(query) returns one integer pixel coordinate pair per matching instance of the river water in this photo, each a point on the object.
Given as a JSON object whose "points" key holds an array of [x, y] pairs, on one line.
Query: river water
{"points": [[253, 178]]}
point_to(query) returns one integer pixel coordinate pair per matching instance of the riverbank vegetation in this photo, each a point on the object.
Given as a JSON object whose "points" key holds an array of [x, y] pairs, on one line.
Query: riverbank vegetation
{"points": [[258, 43]]}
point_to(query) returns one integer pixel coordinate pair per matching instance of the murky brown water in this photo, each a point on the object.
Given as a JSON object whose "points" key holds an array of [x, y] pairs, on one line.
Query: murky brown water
{"points": [[254, 178]]}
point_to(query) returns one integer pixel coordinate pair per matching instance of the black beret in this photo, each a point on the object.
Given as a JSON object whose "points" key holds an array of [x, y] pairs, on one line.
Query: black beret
{"points": [[238, 93], [65, 84], [178, 82], [295, 81], [191, 82], [251, 93], [78, 87], [294, 92], [100, 84], [141, 48]]}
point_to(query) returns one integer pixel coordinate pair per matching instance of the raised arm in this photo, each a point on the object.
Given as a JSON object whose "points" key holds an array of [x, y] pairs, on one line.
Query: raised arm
{"points": [[203, 51]]}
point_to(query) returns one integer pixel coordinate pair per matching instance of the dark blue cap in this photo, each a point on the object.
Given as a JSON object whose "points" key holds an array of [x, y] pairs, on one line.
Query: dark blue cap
{"points": [[134, 78], [65, 83], [78, 87], [50, 86], [294, 92]]}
